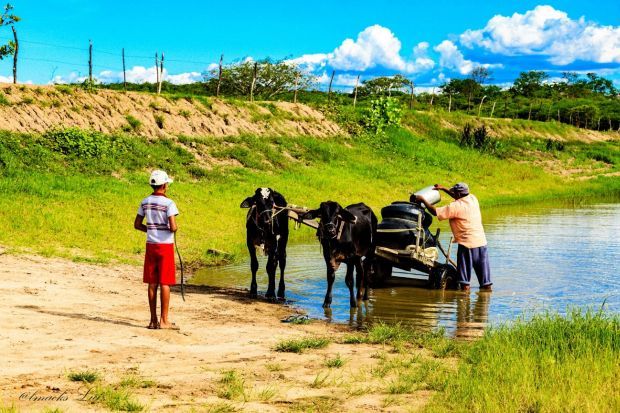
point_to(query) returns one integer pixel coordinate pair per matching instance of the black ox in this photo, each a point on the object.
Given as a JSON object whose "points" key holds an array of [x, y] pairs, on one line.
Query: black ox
{"points": [[267, 228], [346, 235]]}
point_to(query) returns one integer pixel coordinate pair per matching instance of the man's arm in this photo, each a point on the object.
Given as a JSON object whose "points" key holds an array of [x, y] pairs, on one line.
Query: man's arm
{"points": [[428, 206], [172, 224], [138, 223], [439, 187]]}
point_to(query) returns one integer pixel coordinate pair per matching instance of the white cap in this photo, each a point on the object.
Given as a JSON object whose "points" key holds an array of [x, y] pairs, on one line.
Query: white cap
{"points": [[159, 178]]}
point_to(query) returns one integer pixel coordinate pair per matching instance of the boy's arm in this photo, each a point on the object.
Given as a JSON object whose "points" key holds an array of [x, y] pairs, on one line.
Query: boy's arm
{"points": [[138, 223], [172, 224]]}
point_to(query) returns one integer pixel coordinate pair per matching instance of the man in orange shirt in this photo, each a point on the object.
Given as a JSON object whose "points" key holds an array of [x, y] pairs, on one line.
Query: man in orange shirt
{"points": [[466, 224]]}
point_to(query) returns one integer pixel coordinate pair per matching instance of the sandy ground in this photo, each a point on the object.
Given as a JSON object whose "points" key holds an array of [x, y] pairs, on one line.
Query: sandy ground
{"points": [[61, 317]]}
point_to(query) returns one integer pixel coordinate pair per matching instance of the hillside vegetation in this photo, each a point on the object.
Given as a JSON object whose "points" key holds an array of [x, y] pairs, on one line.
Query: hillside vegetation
{"points": [[74, 192]]}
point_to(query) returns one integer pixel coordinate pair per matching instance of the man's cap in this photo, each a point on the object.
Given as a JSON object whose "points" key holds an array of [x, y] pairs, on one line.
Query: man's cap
{"points": [[461, 189], [159, 178]]}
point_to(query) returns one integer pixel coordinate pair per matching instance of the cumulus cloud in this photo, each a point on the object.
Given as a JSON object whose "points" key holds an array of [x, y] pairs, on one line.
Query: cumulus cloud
{"points": [[375, 46], [451, 57], [137, 74], [550, 32], [342, 80], [9, 79]]}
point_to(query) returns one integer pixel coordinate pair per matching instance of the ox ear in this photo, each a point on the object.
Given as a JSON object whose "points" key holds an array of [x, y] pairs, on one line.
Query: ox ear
{"points": [[347, 216], [313, 214], [248, 202]]}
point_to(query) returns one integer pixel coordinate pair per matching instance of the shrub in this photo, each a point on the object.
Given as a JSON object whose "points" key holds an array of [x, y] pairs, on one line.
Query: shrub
{"points": [[479, 139], [3, 100], [134, 123], [185, 113], [159, 120], [85, 144], [383, 112]]}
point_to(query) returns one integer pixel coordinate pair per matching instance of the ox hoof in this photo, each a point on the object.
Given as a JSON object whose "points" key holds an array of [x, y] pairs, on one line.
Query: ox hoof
{"points": [[253, 295]]}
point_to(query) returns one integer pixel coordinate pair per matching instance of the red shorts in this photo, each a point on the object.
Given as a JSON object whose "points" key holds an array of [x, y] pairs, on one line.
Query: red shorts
{"points": [[159, 264]]}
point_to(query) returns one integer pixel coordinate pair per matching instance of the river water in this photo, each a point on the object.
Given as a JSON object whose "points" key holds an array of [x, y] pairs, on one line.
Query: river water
{"points": [[542, 258]]}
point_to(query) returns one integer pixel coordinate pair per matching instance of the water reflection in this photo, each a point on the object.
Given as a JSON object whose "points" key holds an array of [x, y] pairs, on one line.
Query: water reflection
{"points": [[542, 258]]}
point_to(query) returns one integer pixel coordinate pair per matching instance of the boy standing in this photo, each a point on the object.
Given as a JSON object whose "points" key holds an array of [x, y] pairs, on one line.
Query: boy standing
{"points": [[159, 269]]}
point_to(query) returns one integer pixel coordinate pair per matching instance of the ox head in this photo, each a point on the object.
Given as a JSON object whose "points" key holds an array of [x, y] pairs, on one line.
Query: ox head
{"points": [[263, 203], [332, 216]]}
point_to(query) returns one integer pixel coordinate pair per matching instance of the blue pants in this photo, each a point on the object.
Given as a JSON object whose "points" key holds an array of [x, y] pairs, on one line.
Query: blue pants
{"points": [[477, 258]]}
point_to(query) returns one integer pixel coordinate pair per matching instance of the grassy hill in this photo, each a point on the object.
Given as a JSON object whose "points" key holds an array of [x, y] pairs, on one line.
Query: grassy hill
{"points": [[75, 192]]}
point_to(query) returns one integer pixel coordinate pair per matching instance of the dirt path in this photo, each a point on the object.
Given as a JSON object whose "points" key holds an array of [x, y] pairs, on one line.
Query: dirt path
{"points": [[61, 317]]}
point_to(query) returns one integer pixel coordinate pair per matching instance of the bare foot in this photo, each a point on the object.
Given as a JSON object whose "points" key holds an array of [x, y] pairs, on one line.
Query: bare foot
{"points": [[169, 326], [486, 288], [153, 325], [465, 288]]}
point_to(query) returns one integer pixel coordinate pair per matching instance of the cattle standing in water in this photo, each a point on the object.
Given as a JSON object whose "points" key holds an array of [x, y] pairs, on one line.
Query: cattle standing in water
{"points": [[346, 235], [267, 228]]}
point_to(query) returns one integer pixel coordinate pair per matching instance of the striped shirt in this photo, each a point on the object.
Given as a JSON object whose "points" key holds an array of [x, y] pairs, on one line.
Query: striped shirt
{"points": [[157, 209]]}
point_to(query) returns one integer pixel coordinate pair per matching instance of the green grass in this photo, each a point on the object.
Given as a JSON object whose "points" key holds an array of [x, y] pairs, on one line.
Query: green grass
{"points": [[550, 363], [85, 376], [335, 362], [232, 386], [302, 344], [87, 185], [115, 399]]}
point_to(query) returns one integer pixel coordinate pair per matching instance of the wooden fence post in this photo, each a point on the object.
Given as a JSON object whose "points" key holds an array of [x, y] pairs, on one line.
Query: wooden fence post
{"points": [[161, 73], [357, 82], [253, 81], [450, 103], [480, 107], [493, 109], [124, 72], [90, 62], [156, 70], [331, 80], [219, 77], [15, 55], [412, 86], [296, 88]]}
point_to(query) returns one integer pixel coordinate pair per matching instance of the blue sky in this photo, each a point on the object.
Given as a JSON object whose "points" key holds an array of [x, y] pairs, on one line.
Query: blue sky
{"points": [[429, 42]]}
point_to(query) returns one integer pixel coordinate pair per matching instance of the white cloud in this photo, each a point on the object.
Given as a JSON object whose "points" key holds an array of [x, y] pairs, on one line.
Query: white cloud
{"points": [[451, 57], [311, 62], [550, 32], [345, 80], [137, 74], [375, 46], [9, 79]]}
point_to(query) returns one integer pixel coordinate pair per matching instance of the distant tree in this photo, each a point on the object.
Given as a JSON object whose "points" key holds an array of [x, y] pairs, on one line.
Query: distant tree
{"points": [[7, 18], [480, 75], [529, 84], [384, 85], [600, 85], [273, 78]]}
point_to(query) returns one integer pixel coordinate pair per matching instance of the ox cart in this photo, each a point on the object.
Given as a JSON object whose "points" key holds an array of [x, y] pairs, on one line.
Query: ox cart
{"points": [[404, 241]]}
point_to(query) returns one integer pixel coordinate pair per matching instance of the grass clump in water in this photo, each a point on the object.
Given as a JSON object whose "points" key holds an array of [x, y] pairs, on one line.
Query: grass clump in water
{"points": [[299, 345], [549, 363]]}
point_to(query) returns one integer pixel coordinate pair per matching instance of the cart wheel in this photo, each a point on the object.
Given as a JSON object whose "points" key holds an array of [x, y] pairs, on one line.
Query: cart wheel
{"points": [[380, 271], [443, 278]]}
